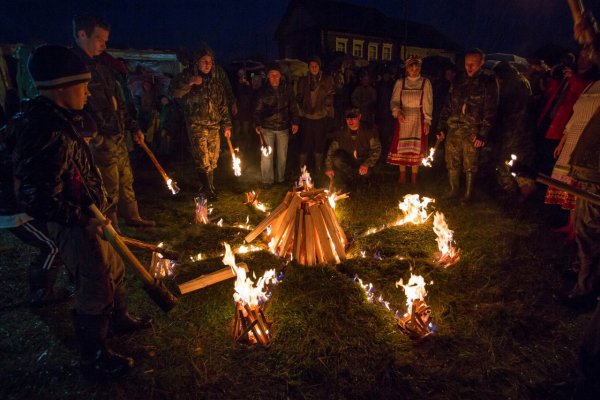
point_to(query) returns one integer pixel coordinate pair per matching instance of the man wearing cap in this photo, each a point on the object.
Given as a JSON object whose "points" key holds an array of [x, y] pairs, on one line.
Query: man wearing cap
{"points": [[110, 112], [275, 113], [466, 120], [315, 97], [206, 113], [56, 180], [353, 152]]}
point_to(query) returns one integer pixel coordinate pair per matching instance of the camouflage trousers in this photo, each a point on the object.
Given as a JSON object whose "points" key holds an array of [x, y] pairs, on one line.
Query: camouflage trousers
{"points": [[116, 172], [587, 236], [206, 145], [99, 270], [460, 150]]}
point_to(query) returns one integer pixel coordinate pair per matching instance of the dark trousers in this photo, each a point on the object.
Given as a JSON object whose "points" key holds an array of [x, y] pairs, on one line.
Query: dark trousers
{"points": [[314, 134], [345, 167], [587, 235]]}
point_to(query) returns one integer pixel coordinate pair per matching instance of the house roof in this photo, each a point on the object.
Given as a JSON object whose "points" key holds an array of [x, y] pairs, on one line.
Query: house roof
{"points": [[351, 18]]}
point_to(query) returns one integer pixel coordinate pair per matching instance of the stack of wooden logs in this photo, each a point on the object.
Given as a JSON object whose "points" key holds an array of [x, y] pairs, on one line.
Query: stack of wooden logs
{"points": [[305, 228]]}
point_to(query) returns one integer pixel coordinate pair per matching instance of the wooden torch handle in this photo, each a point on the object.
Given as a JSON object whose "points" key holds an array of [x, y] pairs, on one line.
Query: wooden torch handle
{"points": [[576, 7], [154, 160]]}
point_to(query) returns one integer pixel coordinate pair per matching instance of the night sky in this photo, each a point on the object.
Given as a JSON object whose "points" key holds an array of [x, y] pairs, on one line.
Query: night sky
{"points": [[244, 28]]}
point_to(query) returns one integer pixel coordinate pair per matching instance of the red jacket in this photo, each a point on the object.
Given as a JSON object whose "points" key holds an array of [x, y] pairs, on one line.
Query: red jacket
{"points": [[575, 85]]}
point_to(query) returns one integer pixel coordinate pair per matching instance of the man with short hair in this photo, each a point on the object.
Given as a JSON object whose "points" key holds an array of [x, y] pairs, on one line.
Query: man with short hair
{"points": [[108, 109], [466, 121], [275, 113], [353, 152], [206, 113], [57, 181]]}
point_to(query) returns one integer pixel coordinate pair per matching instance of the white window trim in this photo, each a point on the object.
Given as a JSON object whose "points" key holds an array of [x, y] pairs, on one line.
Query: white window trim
{"points": [[386, 46], [361, 43], [371, 46], [342, 41]]}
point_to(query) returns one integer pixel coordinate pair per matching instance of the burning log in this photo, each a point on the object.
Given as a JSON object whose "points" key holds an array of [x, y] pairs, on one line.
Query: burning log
{"points": [[171, 184], [448, 255], [201, 209], [415, 322], [160, 266], [209, 279], [250, 325], [304, 227]]}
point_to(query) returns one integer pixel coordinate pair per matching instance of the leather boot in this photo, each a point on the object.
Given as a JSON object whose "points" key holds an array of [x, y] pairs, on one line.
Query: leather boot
{"points": [[470, 179], [121, 322], [132, 216], [454, 180], [211, 193], [97, 359]]}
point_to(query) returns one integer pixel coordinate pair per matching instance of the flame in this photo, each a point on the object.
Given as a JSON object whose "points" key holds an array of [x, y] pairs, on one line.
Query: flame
{"points": [[414, 290], [370, 293], [172, 185], [268, 230], [202, 211], [426, 162], [161, 267], [448, 253], [243, 249], [363, 253], [261, 207], [510, 163], [332, 198], [220, 223], [305, 179], [197, 257], [245, 290], [414, 209], [237, 165], [266, 150]]}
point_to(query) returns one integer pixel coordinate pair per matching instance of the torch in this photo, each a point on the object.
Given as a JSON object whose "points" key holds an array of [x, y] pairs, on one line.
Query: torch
{"points": [[264, 148], [577, 9], [154, 287], [169, 254], [426, 162], [237, 167], [171, 184]]}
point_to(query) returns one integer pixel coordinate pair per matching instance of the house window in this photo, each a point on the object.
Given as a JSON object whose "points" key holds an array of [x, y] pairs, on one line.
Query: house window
{"points": [[386, 52], [341, 45], [372, 54], [357, 48]]}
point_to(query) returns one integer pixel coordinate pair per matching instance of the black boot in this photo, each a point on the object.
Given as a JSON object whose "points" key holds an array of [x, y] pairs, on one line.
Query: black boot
{"points": [[122, 322], [470, 178], [454, 180], [97, 359], [212, 193]]}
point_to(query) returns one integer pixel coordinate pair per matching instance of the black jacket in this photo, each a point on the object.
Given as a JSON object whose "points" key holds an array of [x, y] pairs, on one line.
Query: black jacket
{"points": [[55, 176], [364, 145], [276, 108]]}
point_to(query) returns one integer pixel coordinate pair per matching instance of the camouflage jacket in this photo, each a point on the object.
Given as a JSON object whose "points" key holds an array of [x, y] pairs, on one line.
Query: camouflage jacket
{"points": [[106, 102], [203, 105], [471, 105]]}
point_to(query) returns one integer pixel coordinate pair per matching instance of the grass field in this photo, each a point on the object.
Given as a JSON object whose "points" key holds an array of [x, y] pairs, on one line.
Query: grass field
{"points": [[499, 333]]}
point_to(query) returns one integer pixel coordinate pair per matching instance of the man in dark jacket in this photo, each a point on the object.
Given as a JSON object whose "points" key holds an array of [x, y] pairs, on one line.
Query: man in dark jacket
{"points": [[276, 111], [206, 113], [56, 182], [353, 152], [110, 112], [466, 120]]}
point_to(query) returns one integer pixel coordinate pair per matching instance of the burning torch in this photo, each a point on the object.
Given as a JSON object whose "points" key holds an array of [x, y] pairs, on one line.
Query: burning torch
{"points": [[171, 184], [264, 148], [237, 163], [426, 162]]}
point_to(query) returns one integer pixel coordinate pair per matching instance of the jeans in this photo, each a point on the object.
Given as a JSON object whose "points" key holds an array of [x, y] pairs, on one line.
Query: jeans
{"points": [[278, 141]]}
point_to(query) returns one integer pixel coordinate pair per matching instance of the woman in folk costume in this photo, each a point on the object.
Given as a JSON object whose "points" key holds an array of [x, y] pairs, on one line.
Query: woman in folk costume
{"points": [[411, 105]]}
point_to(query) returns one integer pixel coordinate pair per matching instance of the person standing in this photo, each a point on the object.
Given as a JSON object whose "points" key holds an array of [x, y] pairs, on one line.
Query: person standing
{"points": [[364, 97], [108, 109], [315, 97], [276, 113], [411, 104], [56, 182], [206, 113], [354, 151], [466, 120]]}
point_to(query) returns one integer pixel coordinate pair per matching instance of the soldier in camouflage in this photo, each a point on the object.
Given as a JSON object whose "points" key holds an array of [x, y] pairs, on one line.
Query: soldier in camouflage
{"points": [[206, 113], [110, 114], [466, 120]]}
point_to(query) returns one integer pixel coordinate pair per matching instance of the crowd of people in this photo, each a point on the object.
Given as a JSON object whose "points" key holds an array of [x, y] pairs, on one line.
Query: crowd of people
{"points": [[67, 150]]}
